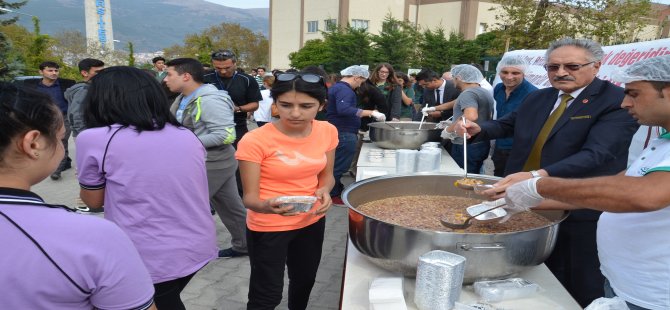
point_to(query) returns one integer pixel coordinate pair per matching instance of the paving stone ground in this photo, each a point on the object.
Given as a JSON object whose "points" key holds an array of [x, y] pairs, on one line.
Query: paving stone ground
{"points": [[223, 284]]}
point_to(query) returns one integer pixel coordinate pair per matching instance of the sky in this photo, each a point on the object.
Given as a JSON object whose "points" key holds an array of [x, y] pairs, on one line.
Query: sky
{"points": [[248, 4]]}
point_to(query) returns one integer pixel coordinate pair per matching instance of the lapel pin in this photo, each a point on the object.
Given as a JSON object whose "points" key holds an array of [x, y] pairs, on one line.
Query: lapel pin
{"points": [[585, 101]]}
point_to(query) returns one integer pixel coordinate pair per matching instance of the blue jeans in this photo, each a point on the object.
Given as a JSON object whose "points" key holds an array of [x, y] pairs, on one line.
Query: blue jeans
{"points": [[477, 153], [609, 293], [344, 155]]}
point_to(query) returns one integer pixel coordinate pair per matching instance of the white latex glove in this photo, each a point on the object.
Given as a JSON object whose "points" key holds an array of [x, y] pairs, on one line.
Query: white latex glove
{"points": [[521, 197], [450, 135], [378, 116], [428, 110]]}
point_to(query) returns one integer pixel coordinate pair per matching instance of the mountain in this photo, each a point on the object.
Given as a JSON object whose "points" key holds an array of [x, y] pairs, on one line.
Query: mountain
{"points": [[150, 24]]}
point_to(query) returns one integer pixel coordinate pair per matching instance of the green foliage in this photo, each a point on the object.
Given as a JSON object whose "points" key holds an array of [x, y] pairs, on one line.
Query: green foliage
{"points": [[433, 50], [313, 53], [131, 54], [348, 46], [251, 48], [396, 43], [10, 6], [534, 24]]}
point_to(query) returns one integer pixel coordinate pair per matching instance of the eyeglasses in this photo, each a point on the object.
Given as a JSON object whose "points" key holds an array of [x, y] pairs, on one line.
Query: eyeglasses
{"points": [[223, 54], [568, 67], [307, 77]]}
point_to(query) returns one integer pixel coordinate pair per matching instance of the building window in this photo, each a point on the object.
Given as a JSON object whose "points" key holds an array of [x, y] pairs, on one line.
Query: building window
{"points": [[313, 26], [359, 24], [330, 24], [482, 28]]}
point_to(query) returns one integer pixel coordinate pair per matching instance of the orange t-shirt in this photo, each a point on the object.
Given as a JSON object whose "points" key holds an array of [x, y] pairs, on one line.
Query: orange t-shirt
{"points": [[289, 167]]}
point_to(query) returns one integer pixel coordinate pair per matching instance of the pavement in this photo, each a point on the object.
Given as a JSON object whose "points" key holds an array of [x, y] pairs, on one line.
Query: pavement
{"points": [[223, 284]]}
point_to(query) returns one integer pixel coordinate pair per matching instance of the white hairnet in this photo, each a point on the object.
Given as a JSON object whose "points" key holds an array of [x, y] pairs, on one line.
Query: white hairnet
{"points": [[514, 62], [355, 71], [467, 73], [655, 69]]}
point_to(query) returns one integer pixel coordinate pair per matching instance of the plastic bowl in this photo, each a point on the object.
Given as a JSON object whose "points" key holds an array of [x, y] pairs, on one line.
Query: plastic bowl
{"points": [[301, 204]]}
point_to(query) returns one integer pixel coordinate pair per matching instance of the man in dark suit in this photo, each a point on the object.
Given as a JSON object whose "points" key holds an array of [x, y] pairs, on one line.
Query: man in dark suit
{"points": [[437, 92], [55, 87], [574, 129]]}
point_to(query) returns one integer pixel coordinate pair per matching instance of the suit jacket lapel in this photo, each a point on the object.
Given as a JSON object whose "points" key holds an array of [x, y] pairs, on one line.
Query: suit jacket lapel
{"points": [[578, 104]]}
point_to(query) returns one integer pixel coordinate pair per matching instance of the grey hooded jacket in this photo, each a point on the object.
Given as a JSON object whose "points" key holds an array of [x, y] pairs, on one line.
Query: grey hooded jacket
{"points": [[75, 115], [209, 114]]}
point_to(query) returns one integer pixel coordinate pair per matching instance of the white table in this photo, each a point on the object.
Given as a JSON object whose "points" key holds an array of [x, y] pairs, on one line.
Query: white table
{"points": [[359, 273], [367, 169]]}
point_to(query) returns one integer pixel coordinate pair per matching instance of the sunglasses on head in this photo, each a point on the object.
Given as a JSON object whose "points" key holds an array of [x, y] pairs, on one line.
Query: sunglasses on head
{"points": [[307, 77], [223, 54], [568, 67]]}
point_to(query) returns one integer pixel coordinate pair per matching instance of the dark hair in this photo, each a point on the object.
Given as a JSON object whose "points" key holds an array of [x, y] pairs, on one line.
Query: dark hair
{"points": [[156, 59], [127, 96], [404, 77], [88, 63], [659, 86], [261, 68], [427, 75], [190, 66], [292, 70], [317, 91], [49, 64], [316, 70], [23, 109], [224, 55]]}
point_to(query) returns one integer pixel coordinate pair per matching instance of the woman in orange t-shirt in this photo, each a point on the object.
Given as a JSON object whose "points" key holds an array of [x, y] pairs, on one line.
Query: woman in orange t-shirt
{"points": [[292, 156]]}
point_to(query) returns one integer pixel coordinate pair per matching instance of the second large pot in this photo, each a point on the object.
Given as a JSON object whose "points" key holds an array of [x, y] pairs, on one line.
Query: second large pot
{"points": [[402, 135], [397, 248]]}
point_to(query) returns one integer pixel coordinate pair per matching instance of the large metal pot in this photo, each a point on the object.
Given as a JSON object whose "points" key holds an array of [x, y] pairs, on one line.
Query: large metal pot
{"points": [[402, 135], [397, 248]]}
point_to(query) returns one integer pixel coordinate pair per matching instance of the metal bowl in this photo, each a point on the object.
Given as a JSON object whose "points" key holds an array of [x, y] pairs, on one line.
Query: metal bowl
{"points": [[397, 248], [403, 135]]}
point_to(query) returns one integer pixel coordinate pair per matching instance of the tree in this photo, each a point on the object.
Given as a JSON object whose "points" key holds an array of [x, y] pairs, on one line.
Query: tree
{"points": [[251, 48], [313, 53], [433, 48], [534, 24], [10, 62], [131, 54], [348, 46], [396, 43]]}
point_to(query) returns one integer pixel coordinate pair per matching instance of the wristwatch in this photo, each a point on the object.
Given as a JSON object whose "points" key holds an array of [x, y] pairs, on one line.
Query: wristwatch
{"points": [[535, 174]]}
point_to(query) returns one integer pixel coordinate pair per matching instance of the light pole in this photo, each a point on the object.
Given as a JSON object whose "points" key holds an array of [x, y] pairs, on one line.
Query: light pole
{"points": [[15, 12]]}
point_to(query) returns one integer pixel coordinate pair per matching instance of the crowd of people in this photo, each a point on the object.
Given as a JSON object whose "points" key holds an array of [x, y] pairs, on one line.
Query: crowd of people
{"points": [[165, 150]]}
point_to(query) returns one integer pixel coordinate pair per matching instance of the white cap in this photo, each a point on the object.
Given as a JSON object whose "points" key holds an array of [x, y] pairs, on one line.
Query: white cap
{"points": [[467, 73], [655, 69], [514, 62], [355, 71]]}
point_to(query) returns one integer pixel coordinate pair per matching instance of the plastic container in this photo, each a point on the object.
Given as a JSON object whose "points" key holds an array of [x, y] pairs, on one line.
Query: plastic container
{"points": [[499, 290], [301, 204]]}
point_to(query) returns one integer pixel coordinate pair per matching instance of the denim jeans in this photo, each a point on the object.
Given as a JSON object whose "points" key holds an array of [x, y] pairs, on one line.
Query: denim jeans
{"points": [[609, 293], [477, 153], [344, 154]]}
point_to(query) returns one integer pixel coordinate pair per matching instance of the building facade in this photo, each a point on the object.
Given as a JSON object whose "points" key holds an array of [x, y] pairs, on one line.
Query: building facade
{"points": [[294, 22]]}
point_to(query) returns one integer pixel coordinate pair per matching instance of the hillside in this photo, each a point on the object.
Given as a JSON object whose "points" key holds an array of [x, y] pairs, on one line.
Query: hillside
{"points": [[150, 24]]}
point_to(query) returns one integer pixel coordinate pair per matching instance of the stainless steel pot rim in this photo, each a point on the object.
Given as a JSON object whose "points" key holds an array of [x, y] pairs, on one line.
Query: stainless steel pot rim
{"points": [[345, 199], [427, 126]]}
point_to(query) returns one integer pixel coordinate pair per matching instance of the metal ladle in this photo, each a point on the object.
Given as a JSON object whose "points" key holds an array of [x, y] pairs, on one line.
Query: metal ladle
{"points": [[497, 204], [465, 162]]}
